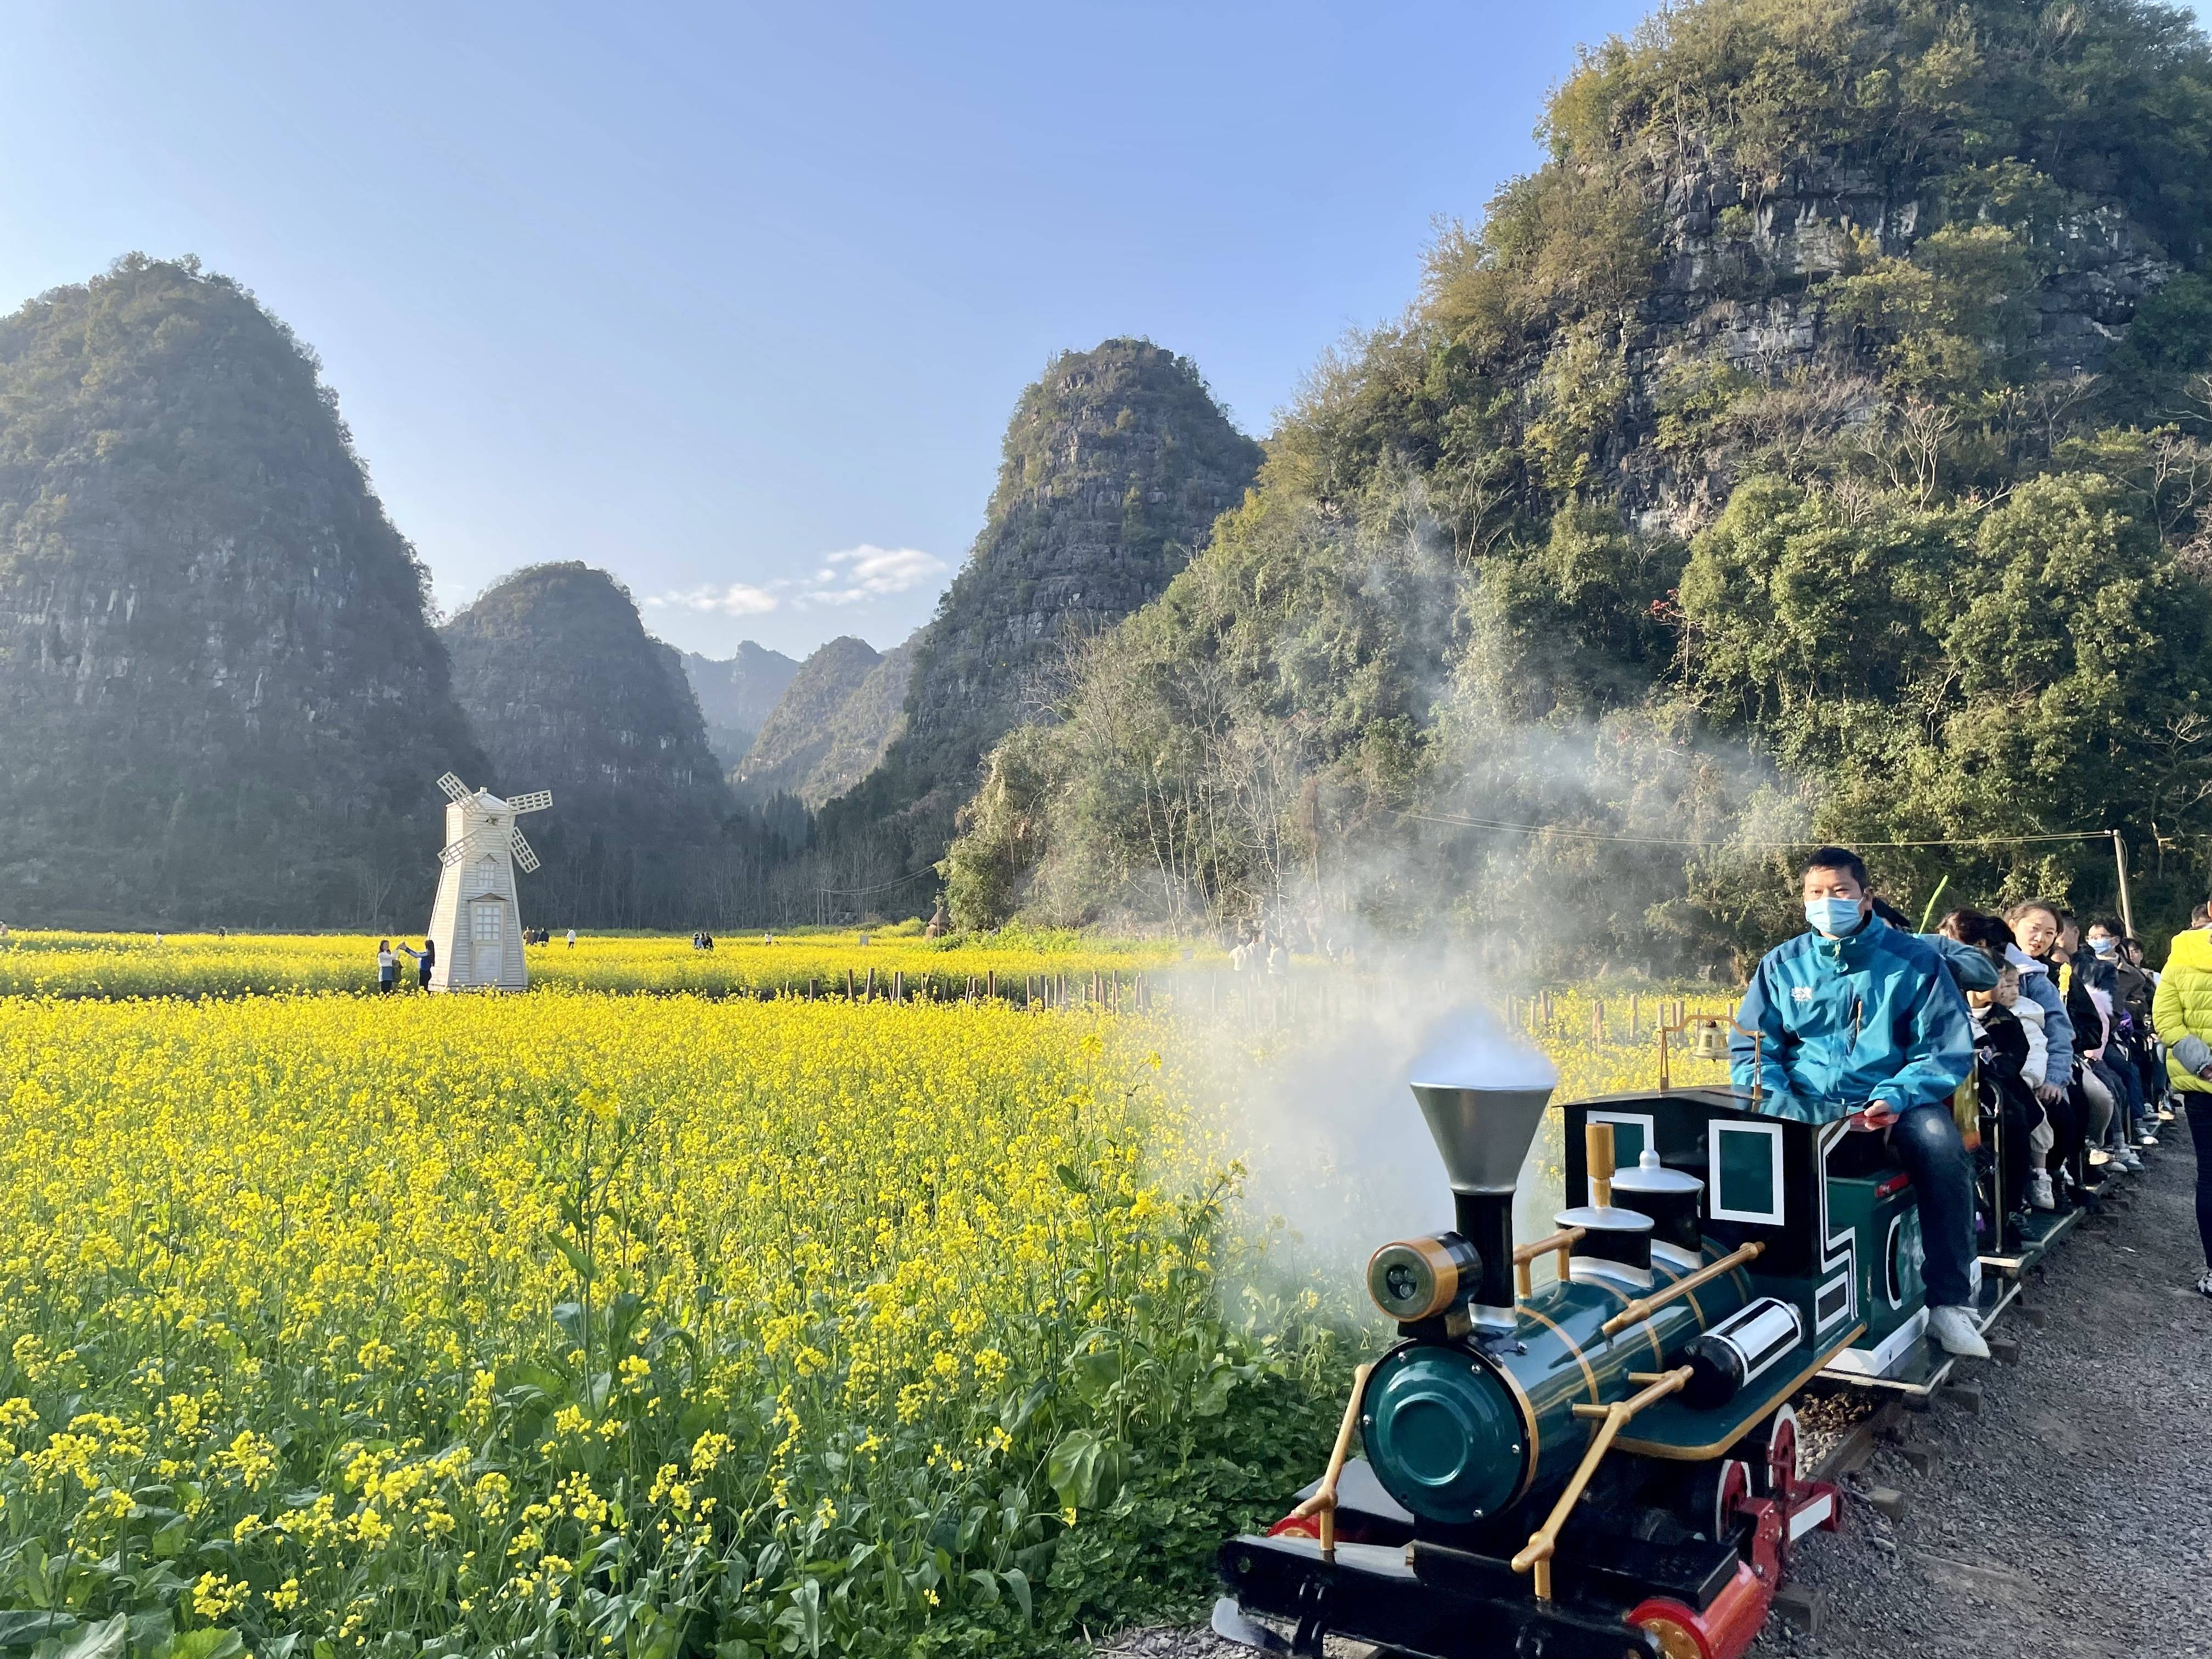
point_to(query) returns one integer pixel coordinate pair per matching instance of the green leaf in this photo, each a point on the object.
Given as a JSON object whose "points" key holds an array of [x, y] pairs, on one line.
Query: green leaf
{"points": [[1073, 1465], [809, 1610], [1094, 1374], [1018, 1581], [106, 1640], [1017, 1410], [1211, 1397], [986, 1586], [20, 1628], [1069, 1179], [199, 1644]]}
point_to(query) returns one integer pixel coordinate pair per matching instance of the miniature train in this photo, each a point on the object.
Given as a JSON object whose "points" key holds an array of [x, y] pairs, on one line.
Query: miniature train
{"points": [[1606, 1465]]}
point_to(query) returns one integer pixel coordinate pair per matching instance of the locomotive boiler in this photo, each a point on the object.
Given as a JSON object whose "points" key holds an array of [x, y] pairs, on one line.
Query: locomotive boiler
{"points": [[1606, 1464]]}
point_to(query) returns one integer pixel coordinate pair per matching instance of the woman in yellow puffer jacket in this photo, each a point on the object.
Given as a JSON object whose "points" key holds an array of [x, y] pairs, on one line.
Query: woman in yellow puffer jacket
{"points": [[2182, 1011]]}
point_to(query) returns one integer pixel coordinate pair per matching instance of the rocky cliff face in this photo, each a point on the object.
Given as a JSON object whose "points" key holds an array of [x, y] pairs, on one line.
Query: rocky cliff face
{"points": [[864, 729], [1116, 464], [220, 700], [736, 696], [800, 732], [1745, 277], [567, 692]]}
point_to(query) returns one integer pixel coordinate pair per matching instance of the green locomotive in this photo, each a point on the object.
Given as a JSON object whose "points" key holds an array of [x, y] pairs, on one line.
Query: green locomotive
{"points": [[1607, 1465]]}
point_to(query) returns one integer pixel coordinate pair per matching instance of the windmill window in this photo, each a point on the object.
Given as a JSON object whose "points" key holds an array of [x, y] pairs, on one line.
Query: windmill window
{"points": [[486, 923]]}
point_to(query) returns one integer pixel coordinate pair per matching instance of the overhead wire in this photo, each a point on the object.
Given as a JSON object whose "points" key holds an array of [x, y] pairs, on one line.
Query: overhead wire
{"points": [[1468, 823]]}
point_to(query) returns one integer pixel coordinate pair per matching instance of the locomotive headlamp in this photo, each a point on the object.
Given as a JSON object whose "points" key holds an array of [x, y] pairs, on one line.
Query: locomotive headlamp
{"points": [[1419, 1279]]}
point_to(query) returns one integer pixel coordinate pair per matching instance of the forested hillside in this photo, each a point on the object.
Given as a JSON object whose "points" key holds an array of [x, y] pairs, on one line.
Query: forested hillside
{"points": [[831, 726], [736, 694], [569, 692], [221, 700], [1116, 463], [1816, 443]]}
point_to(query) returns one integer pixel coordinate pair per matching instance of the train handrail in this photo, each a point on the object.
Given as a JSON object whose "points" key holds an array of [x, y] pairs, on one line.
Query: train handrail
{"points": [[1542, 1543], [1323, 1502], [1563, 1241], [1644, 1307]]}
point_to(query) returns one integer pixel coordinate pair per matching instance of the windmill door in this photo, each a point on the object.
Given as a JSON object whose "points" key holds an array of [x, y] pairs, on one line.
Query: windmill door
{"points": [[487, 942]]}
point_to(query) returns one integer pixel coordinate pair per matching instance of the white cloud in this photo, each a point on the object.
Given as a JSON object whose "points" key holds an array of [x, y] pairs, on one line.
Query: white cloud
{"points": [[738, 599], [857, 573], [867, 571]]}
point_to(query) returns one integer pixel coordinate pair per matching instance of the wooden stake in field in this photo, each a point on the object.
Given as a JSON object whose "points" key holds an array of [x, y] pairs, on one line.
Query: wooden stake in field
{"points": [[1597, 1021]]}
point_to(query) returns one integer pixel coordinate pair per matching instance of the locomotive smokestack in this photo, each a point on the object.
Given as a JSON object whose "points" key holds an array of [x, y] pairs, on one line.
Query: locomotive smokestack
{"points": [[1483, 1135]]}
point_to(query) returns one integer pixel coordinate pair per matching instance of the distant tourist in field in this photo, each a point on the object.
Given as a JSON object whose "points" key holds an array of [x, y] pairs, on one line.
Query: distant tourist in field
{"points": [[387, 967], [425, 959], [572, 938], [157, 936]]}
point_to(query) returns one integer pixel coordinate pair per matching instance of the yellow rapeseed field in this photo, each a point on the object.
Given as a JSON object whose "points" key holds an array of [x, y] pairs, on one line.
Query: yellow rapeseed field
{"points": [[606, 1324], [580, 1322], [62, 963]]}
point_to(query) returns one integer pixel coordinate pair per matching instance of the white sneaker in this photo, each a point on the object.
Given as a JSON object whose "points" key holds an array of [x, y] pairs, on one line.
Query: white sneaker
{"points": [[1954, 1332], [2127, 1160], [2204, 1285], [2099, 1158], [2039, 1195]]}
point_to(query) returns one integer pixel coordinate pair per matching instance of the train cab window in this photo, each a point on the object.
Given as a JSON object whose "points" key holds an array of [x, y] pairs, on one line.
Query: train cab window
{"points": [[1746, 1172]]}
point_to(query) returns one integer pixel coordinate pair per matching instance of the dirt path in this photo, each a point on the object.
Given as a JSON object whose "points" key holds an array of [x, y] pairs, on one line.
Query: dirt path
{"points": [[2071, 1519]]}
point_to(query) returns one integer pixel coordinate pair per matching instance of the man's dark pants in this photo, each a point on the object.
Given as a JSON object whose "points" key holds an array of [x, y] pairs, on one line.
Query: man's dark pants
{"points": [[1926, 1142]]}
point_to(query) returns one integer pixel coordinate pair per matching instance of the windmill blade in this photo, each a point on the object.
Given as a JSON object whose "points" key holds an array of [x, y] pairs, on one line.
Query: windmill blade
{"points": [[536, 801], [454, 789], [453, 853], [523, 855]]}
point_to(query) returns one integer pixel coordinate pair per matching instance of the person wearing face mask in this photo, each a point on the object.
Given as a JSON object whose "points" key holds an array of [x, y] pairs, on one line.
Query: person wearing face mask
{"points": [[1859, 1019], [2115, 967]]}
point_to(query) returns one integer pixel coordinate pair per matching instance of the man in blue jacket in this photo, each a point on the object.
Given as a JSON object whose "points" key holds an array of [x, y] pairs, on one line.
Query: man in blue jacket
{"points": [[1859, 1017]]}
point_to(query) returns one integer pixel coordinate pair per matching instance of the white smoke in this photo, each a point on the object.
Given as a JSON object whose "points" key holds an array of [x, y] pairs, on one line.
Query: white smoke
{"points": [[1337, 1157]]}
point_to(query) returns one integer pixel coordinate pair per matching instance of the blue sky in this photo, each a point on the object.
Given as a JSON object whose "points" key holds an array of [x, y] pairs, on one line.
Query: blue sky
{"points": [[734, 301]]}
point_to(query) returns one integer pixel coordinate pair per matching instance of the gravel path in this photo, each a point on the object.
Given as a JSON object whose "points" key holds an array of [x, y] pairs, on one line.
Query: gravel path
{"points": [[2072, 1519]]}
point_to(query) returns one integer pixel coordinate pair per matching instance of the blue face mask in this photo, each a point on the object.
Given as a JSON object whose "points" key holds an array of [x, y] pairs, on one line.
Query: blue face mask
{"points": [[2104, 947], [1833, 916]]}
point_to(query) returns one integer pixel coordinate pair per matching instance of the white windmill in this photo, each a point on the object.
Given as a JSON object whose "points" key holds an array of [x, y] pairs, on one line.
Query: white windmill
{"points": [[475, 923]]}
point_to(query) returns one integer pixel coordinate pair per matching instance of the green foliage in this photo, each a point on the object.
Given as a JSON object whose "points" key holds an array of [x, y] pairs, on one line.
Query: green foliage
{"points": [[1956, 672], [568, 693], [220, 700], [1817, 287]]}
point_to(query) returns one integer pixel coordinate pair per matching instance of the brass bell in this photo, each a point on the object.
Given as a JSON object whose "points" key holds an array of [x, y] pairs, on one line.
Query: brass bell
{"points": [[1707, 1040]]}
